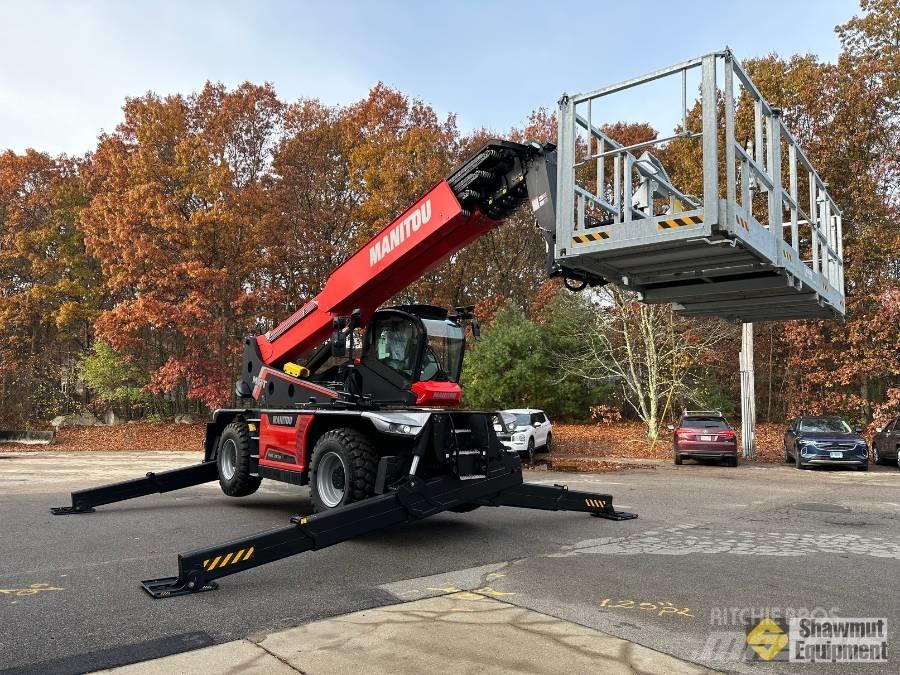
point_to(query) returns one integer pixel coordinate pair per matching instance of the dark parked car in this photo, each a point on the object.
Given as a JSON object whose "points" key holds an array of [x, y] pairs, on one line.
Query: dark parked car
{"points": [[704, 434], [886, 444], [821, 441]]}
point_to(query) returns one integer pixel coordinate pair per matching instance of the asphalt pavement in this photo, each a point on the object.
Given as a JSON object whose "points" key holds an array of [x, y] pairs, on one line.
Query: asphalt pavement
{"points": [[713, 549]]}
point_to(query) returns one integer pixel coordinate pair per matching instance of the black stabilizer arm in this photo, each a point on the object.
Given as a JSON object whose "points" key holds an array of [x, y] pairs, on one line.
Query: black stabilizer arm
{"points": [[558, 498], [84, 501], [413, 500]]}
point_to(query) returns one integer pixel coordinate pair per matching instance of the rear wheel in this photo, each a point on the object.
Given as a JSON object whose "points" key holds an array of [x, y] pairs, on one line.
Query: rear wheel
{"points": [[677, 458], [876, 458], [731, 461], [233, 461], [342, 470]]}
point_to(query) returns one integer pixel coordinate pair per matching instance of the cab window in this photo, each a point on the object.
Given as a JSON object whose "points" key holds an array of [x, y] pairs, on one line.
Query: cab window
{"points": [[395, 341]]}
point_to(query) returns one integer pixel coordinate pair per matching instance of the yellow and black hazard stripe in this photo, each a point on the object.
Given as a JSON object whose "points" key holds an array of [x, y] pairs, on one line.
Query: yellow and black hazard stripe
{"points": [[787, 254], [743, 223], [589, 237], [228, 559], [595, 503], [681, 221]]}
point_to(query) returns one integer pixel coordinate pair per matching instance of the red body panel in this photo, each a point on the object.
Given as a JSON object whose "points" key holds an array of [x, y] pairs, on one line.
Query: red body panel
{"points": [[426, 234], [285, 440], [435, 393]]}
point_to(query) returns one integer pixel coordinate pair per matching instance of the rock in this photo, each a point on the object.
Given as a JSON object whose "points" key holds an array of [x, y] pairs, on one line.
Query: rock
{"points": [[184, 419], [110, 418], [82, 419]]}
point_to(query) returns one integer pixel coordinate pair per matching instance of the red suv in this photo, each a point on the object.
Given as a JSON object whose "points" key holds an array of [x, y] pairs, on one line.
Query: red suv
{"points": [[704, 434]]}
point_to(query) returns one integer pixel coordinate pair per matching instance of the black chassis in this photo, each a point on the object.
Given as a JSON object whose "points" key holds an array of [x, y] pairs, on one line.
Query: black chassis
{"points": [[452, 476]]}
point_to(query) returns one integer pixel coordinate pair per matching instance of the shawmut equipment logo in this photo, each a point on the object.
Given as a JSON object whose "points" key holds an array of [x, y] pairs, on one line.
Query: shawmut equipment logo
{"points": [[399, 233], [767, 639]]}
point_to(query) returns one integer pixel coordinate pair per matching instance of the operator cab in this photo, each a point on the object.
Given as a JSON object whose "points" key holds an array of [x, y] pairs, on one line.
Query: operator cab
{"points": [[411, 354]]}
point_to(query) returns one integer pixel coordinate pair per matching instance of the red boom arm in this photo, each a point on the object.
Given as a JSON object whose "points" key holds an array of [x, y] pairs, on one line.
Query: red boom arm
{"points": [[426, 234]]}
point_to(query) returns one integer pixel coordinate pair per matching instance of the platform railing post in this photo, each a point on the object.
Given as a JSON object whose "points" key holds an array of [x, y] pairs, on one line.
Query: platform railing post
{"points": [[730, 178], [710, 141], [776, 219], [565, 173]]}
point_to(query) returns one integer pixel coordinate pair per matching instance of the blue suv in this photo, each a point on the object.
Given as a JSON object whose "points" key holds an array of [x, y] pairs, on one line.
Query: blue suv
{"points": [[821, 441]]}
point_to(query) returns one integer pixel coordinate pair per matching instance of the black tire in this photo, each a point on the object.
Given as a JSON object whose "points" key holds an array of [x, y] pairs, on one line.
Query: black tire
{"points": [[529, 453], [787, 456], [731, 461], [548, 446], [677, 458], [798, 464], [876, 458], [352, 464], [233, 461]]}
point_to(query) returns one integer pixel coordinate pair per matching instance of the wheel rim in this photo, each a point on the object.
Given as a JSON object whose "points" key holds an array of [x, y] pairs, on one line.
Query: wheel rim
{"points": [[875, 454], [331, 479], [229, 459]]}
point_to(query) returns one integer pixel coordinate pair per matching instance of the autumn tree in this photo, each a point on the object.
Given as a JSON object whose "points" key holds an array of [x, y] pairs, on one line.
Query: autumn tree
{"points": [[178, 194], [48, 284]]}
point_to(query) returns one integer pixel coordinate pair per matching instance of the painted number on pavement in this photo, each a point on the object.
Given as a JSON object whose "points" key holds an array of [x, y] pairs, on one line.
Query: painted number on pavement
{"points": [[658, 607]]}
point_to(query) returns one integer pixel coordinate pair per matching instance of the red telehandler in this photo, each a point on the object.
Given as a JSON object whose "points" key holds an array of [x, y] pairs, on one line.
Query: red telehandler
{"points": [[372, 426], [373, 429]]}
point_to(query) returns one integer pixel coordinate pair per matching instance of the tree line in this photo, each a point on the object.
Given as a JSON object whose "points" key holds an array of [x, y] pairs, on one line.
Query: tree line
{"points": [[129, 275]]}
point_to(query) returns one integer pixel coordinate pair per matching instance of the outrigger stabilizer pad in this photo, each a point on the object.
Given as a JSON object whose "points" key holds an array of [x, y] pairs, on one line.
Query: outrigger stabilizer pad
{"points": [[413, 499], [84, 501]]}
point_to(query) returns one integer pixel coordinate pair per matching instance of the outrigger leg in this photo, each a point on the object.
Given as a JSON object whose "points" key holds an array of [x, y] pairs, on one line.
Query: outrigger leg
{"points": [[84, 501], [413, 499]]}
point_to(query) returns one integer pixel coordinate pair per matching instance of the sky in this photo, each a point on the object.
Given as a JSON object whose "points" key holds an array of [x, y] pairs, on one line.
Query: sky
{"points": [[67, 67]]}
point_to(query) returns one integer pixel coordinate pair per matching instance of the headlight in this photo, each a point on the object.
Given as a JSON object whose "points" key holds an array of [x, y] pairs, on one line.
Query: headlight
{"points": [[862, 449], [400, 428], [807, 447], [398, 424], [521, 438]]}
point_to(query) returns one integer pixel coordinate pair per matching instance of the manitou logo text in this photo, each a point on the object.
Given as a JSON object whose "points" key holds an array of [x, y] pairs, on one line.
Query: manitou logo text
{"points": [[283, 420], [399, 233]]}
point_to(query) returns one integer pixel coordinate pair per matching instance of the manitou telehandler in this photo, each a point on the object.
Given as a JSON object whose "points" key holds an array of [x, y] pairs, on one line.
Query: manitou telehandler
{"points": [[371, 422]]}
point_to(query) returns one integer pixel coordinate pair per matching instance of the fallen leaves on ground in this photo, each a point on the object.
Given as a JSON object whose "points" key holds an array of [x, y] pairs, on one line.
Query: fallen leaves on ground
{"points": [[131, 436]]}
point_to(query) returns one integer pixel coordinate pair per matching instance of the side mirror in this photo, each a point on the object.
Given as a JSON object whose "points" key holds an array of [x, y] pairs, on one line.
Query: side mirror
{"points": [[338, 344], [858, 429], [670, 427]]}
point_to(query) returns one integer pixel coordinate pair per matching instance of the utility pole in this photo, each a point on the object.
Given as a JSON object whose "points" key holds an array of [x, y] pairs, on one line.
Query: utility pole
{"points": [[748, 392]]}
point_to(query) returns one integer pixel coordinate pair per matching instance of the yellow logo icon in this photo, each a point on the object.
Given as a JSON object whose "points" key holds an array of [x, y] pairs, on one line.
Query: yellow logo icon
{"points": [[767, 639]]}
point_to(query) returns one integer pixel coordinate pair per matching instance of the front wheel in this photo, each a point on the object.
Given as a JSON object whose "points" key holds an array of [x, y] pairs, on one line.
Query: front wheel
{"points": [[876, 458], [233, 461], [549, 444], [529, 453], [799, 463], [787, 456], [343, 469]]}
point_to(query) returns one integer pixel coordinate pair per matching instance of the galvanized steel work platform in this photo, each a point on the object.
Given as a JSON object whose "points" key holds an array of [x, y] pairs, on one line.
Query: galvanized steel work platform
{"points": [[765, 245]]}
